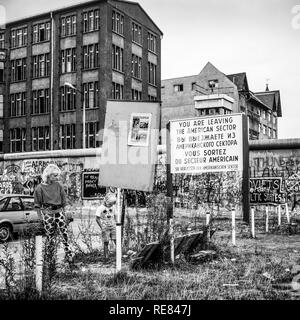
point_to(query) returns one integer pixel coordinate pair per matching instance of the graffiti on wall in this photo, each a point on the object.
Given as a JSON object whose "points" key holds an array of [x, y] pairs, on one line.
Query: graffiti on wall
{"points": [[279, 164], [24, 175], [192, 191]]}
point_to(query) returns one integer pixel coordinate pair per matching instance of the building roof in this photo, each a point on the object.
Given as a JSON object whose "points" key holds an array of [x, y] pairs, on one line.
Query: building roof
{"points": [[240, 80], [79, 4], [272, 99]]}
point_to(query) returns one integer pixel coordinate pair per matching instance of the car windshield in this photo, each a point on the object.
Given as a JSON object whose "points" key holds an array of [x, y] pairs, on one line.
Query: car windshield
{"points": [[2, 203]]}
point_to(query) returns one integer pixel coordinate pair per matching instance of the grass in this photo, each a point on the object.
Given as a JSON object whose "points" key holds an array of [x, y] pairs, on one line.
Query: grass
{"points": [[245, 272]]}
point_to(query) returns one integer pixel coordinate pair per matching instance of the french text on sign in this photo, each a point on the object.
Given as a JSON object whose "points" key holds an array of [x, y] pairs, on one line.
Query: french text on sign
{"points": [[216, 142]]}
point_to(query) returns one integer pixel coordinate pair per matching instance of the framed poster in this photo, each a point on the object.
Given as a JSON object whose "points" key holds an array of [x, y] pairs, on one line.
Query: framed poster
{"points": [[90, 186], [139, 130]]}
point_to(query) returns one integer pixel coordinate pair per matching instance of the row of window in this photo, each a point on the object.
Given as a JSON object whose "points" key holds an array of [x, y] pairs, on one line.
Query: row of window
{"points": [[91, 22], [2, 41], [267, 131], [41, 99], [40, 137], [41, 66], [1, 71]]}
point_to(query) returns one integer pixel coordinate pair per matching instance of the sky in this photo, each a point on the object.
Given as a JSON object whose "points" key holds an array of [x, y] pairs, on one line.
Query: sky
{"points": [[259, 37]]}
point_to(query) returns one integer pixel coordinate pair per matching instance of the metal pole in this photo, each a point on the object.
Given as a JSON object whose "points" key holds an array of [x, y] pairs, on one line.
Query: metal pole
{"points": [[207, 225], [118, 233], [287, 212], [279, 215], [233, 226], [39, 263], [267, 218], [252, 223]]}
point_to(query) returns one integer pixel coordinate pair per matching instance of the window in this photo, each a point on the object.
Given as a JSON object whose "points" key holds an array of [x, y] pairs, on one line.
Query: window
{"points": [[91, 20], [1, 140], [41, 32], [28, 203], [274, 134], [258, 111], [264, 114], [67, 99], [137, 33], [1, 71], [152, 73], [91, 94], [269, 116], [269, 132], [1, 106], [136, 66], [18, 69], [213, 84], [117, 58], [91, 134], [264, 129], [152, 45], [117, 91], [40, 101], [117, 22], [68, 26], [41, 66], [68, 60], [274, 119], [178, 87], [194, 86], [151, 98], [91, 56], [17, 139], [19, 37], [67, 136], [2, 41], [40, 138], [14, 204], [17, 104], [136, 94]]}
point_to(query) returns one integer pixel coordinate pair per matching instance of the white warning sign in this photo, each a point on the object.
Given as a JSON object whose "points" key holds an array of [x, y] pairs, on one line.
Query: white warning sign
{"points": [[207, 144]]}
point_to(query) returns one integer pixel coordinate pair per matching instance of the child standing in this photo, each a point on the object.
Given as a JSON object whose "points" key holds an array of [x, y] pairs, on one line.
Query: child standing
{"points": [[106, 219]]}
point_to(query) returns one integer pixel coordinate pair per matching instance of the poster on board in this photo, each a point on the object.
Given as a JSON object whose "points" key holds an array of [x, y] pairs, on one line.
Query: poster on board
{"points": [[139, 133]]}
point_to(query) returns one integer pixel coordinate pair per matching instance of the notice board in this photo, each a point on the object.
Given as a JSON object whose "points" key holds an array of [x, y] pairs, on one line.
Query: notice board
{"points": [[267, 190], [207, 144], [90, 186], [129, 150]]}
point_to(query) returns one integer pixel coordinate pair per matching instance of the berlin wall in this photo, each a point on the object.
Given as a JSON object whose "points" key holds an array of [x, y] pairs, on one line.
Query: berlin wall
{"points": [[275, 172], [274, 169]]}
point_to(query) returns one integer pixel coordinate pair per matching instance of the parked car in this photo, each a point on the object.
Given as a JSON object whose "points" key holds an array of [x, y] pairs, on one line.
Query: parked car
{"points": [[17, 215]]}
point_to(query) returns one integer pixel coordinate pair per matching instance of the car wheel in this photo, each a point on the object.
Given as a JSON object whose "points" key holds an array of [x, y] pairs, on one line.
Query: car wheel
{"points": [[5, 232]]}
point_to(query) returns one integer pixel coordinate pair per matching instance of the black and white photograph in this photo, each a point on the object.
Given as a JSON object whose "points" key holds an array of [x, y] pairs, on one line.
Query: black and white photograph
{"points": [[149, 153]]}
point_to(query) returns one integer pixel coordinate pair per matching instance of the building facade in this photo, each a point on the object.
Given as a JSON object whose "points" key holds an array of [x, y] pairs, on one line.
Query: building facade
{"points": [[106, 49], [212, 92]]}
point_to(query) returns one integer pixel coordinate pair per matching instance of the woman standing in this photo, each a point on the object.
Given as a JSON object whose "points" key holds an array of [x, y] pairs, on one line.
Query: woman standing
{"points": [[50, 201]]}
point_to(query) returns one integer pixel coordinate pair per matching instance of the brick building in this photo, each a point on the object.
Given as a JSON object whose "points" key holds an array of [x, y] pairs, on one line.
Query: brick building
{"points": [[107, 49], [212, 92]]}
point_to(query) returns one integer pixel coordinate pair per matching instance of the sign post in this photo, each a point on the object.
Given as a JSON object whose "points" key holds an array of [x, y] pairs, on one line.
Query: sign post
{"points": [[119, 233], [211, 144]]}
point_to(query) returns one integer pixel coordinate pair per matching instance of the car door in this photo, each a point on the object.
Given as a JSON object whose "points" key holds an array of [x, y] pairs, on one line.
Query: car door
{"points": [[30, 214], [12, 212]]}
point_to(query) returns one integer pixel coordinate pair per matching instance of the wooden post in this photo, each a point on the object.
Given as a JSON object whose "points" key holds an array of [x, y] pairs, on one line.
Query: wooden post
{"points": [[252, 223], [279, 215], [267, 218], [207, 225], [119, 233], [287, 213], [170, 208], [39, 263], [233, 226]]}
